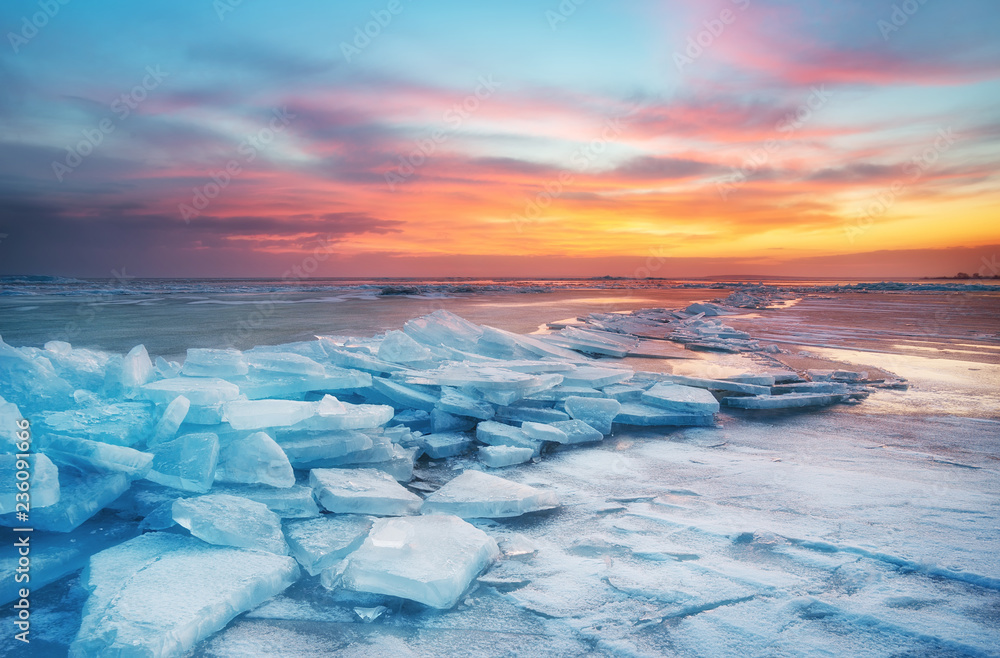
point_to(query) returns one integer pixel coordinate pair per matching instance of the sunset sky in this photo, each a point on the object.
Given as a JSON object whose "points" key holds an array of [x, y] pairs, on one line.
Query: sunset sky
{"points": [[516, 138]]}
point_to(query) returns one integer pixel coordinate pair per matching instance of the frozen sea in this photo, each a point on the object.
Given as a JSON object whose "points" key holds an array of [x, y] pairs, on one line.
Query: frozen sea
{"points": [[867, 530]]}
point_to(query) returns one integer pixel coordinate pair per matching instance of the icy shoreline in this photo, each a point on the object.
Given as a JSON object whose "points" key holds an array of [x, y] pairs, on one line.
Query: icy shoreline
{"points": [[355, 407]]}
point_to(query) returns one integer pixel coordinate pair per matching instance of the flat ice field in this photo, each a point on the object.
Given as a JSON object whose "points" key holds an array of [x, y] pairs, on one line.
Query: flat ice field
{"points": [[811, 476]]}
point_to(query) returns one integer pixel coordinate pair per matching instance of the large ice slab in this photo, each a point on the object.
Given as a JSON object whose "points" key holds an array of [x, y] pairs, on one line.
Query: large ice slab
{"points": [[544, 432], [330, 447], [786, 401], [446, 444], [342, 416], [200, 391], [32, 381], [428, 559], [362, 491], [718, 385], [202, 362], [262, 414], [403, 396], [577, 431], [160, 594], [227, 520], [188, 462], [81, 496], [444, 328], [681, 399], [596, 412], [455, 402], [295, 502], [120, 423], [137, 369], [41, 486], [397, 347], [474, 495], [498, 434], [321, 542], [254, 459], [94, 455], [637, 413]]}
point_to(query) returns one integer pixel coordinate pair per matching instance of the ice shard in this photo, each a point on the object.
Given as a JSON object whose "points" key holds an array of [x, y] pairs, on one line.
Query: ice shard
{"points": [[362, 491], [198, 589], [227, 520], [475, 495], [596, 412], [323, 541], [188, 462], [254, 459], [428, 559]]}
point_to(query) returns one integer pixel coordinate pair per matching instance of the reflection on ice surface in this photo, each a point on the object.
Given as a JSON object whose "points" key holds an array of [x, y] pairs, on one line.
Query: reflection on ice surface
{"points": [[482, 492]]}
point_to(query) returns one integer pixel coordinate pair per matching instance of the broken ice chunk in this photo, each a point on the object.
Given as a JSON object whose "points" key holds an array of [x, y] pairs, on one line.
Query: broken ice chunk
{"points": [[187, 462], [404, 396], [623, 392], [137, 369], [352, 417], [497, 434], [446, 444], [260, 414], [284, 362], [161, 593], [445, 329], [171, 420], [748, 378], [122, 423], [500, 456], [42, 484], [202, 362], [594, 377], [254, 459], [303, 449], [94, 455], [200, 391], [295, 502], [478, 495], [397, 347], [226, 520], [681, 399], [321, 542], [578, 431], [81, 495], [428, 559], [718, 385], [636, 413], [597, 412], [544, 432], [519, 414], [32, 381], [455, 402], [362, 491], [167, 369], [787, 401]]}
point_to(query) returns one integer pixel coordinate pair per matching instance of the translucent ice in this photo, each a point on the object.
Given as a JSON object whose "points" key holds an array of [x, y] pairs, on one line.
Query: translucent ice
{"points": [[595, 377], [578, 431], [94, 455], [171, 420], [345, 417], [362, 491], [325, 540], [442, 421], [446, 329], [787, 401], [137, 369], [162, 593], [544, 432], [447, 444], [455, 402], [498, 434], [285, 363], [32, 381], [81, 495], [42, 484], [397, 347], [227, 520], [403, 396], [187, 462], [475, 494], [200, 391], [295, 502], [519, 414], [120, 423], [428, 559], [637, 413], [202, 362], [596, 412], [309, 448], [681, 399], [260, 414], [500, 456], [254, 459]]}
